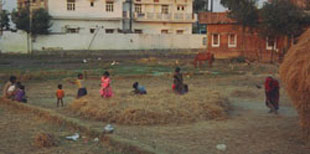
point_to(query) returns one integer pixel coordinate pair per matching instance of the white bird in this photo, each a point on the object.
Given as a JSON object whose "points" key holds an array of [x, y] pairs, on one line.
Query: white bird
{"points": [[73, 137]]}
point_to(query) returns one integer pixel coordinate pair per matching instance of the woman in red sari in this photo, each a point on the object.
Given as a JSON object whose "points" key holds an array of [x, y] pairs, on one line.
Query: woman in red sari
{"points": [[272, 89]]}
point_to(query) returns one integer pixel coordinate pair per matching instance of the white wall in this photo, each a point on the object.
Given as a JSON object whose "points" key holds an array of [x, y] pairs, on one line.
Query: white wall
{"points": [[17, 42], [13, 42], [58, 25], [155, 28]]}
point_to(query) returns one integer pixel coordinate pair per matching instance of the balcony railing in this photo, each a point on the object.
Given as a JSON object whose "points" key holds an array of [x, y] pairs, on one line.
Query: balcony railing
{"points": [[173, 17]]}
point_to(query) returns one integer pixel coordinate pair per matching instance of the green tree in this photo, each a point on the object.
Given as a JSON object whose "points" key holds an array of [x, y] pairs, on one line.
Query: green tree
{"points": [[21, 19], [200, 5], [281, 18], [4, 20], [245, 13], [40, 21]]}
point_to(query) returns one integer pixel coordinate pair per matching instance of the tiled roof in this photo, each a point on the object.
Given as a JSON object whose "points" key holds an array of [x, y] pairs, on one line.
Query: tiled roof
{"points": [[214, 18]]}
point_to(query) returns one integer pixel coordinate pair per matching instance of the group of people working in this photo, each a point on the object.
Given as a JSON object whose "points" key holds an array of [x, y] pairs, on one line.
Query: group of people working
{"points": [[16, 91]]}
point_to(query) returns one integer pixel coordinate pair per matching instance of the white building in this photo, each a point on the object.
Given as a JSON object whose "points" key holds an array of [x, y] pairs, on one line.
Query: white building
{"points": [[159, 16], [114, 16], [85, 16]]}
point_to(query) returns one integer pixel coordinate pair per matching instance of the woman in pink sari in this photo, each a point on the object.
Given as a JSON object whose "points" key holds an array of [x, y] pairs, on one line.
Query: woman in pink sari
{"points": [[106, 90]]}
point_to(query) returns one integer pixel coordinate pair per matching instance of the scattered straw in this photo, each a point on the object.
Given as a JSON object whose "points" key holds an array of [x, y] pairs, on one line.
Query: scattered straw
{"points": [[155, 108], [44, 140], [295, 73], [243, 94]]}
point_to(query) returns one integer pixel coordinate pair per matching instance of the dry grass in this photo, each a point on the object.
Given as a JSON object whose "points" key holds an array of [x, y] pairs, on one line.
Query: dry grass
{"points": [[295, 72], [44, 140], [158, 107]]}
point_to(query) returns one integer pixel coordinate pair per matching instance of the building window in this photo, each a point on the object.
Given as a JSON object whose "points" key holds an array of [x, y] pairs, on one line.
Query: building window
{"points": [[232, 40], [204, 41], [92, 30], [70, 5], [180, 31], [164, 9], [72, 30], [139, 31], [92, 4], [180, 8], [216, 40], [271, 43], [164, 31], [138, 8], [109, 6], [109, 31]]}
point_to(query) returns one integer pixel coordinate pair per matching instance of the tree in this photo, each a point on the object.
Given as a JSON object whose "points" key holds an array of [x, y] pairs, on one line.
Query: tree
{"points": [[21, 19], [200, 5], [41, 21], [281, 18], [4, 20], [244, 12]]}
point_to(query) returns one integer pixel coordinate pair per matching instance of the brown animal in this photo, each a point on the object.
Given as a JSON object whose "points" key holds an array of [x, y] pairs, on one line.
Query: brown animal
{"points": [[204, 56]]}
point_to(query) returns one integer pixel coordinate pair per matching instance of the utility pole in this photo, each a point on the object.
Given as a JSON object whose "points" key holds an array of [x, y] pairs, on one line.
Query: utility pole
{"points": [[211, 7], [130, 16], [29, 35]]}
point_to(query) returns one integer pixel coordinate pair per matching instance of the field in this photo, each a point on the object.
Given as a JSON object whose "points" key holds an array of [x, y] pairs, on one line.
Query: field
{"points": [[241, 121]]}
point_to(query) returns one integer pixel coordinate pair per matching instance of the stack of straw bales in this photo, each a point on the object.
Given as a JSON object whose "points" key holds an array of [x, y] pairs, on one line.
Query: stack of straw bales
{"points": [[295, 73]]}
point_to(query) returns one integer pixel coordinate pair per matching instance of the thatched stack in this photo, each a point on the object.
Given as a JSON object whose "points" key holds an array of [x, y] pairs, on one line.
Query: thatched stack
{"points": [[295, 73]]}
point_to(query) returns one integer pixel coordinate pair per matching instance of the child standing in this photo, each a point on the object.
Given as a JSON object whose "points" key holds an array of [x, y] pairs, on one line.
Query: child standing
{"points": [[106, 89], [82, 91], [20, 94], [60, 94]]}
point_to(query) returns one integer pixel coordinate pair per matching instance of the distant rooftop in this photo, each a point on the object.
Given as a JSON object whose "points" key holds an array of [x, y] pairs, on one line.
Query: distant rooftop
{"points": [[214, 18]]}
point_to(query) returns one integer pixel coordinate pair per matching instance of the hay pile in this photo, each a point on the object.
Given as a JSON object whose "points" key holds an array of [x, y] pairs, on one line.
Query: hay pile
{"points": [[295, 73], [44, 140], [155, 108]]}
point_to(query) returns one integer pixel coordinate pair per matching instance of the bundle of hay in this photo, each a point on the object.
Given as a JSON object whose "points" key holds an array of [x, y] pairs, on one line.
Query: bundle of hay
{"points": [[295, 73], [44, 140], [156, 108]]}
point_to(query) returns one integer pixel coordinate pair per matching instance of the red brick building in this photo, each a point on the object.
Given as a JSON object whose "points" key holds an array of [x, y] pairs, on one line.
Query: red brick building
{"points": [[225, 38]]}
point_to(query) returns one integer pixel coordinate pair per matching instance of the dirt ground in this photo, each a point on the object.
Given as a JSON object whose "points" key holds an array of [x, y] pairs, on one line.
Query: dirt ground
{"points": [[248, 129], [18, 130]]}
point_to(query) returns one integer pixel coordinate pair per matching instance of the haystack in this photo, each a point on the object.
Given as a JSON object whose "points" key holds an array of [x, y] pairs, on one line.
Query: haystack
{"points": [[295, 73], [155, 108], [44, 140]]}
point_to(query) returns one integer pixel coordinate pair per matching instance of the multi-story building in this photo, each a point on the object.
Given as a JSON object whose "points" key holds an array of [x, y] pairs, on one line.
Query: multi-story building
{"points": [[35, 4], [115, 16], [159, 16], [86, 16]]}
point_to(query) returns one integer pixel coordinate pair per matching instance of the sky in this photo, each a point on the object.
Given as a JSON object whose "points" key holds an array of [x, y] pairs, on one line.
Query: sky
{"points": [[10, 4]]}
